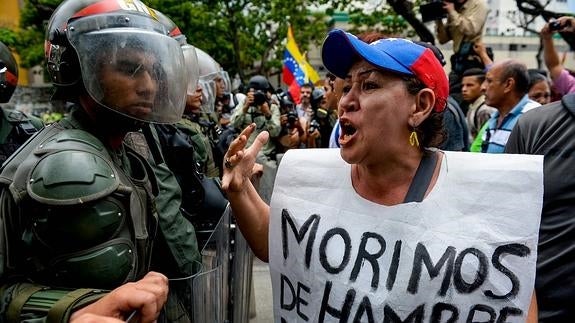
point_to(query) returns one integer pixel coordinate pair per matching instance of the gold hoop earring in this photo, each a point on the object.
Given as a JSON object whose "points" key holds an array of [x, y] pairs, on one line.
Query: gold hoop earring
{"points": [[413, 140]]}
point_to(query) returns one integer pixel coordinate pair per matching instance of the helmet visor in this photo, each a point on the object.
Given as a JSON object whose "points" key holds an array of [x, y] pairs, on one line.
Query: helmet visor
{"points": [[214, 85], [191, 60], [131, 66], [208, 94]]}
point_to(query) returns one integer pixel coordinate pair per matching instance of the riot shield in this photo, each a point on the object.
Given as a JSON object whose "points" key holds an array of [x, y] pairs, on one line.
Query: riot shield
{"points": [[210, 289], [205, 295], [241, 278]]}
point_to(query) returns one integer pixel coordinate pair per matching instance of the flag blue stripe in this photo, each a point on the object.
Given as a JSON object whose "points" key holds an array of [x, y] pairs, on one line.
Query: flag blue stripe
{"points": [[294, 68]]}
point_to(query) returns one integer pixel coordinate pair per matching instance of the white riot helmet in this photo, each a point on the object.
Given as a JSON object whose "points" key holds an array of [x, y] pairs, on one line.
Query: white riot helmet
{"points": [[191, 61], [213, 80]]}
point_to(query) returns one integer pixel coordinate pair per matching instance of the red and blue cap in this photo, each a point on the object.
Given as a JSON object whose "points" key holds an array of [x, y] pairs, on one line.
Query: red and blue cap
{"points": [[340, 50]]}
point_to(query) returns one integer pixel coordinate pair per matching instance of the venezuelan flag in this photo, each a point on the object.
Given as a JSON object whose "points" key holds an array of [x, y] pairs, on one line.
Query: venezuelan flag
{"points": [[296, 70]]}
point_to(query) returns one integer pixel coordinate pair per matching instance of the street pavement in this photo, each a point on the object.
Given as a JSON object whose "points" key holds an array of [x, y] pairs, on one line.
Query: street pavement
{"points": [[263, 293]]}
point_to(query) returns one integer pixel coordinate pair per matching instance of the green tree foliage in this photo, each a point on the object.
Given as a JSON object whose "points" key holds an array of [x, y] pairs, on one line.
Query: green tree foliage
{"points": [[245, 36], [375, 16], [28, 40]]}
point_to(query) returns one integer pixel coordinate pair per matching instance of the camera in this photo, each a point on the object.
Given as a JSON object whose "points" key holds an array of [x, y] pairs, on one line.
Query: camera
{"points": [[313, 126], [292, 118], [260, 86], [433, 10], [555, 25], [260, 97]]}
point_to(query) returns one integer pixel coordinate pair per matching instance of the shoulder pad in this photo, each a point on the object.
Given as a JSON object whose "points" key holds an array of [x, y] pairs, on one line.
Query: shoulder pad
{"points": [[74, 168], [72, 139]]}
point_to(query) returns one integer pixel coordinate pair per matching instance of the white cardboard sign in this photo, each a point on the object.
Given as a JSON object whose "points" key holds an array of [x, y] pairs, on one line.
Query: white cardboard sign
{"points": [[465, 254]]}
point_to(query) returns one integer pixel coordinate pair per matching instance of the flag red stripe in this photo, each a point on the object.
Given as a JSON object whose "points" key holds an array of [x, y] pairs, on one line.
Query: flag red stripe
{"points": [[287, 76]]}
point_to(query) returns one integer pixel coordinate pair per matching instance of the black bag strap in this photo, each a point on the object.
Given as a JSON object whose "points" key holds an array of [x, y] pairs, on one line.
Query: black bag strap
{"points": [[422, 178]]}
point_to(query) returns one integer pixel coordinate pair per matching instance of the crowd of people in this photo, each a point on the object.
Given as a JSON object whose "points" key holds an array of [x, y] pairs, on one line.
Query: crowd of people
{"points": [[99, 211]]}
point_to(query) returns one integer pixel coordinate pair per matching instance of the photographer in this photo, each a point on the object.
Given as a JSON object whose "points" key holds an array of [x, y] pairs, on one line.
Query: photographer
{"points": [[258, 108], [563, 81], [465, 22], [322, 121], [292, 132], [304, 109]]}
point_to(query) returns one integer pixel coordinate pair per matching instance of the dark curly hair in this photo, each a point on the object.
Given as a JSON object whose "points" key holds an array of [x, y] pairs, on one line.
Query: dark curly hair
{"points": [[430, 132]]}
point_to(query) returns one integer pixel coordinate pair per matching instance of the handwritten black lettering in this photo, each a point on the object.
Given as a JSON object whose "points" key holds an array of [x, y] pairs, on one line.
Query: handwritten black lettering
{"points": [[312, 221], [460, 284], [481, 308], [515, 249], [422, 256], [364, 308], [295, 296], [391, 317], [505, 312], [300, 300], [323, 254], [345, 311], [437, 313], [363, 255], [394, 266], [284, 281]]}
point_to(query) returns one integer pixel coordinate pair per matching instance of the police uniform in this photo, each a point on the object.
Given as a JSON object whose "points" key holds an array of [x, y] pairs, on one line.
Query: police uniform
{"points": [[82, 211], [76, 214], [202, 146], [15, 128], [81, 215]]}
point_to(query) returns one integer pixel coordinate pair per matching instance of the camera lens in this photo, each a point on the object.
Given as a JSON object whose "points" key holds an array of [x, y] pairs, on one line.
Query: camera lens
{"points": [[259, 97], [554, 25]]}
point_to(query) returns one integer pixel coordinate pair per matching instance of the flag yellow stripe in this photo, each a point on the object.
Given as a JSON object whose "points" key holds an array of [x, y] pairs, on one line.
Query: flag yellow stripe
{"points": [[292, 48]]}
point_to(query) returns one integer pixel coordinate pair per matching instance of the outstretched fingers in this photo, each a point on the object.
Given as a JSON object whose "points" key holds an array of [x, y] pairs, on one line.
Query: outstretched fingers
{"points": [[235, 151], [260, 141], [239, 160]]}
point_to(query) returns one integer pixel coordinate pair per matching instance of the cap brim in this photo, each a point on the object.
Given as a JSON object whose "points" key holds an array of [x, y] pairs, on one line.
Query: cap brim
{"points": [[339, 52]]}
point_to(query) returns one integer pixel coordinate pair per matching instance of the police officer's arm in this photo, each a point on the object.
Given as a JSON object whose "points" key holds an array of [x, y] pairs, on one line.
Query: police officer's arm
{"points": [[251, 212], [24, 300], [144, 298]]}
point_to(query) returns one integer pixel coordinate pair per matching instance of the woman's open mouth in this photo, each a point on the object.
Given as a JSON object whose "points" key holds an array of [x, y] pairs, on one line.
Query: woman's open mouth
{"points": [[347, 132]]}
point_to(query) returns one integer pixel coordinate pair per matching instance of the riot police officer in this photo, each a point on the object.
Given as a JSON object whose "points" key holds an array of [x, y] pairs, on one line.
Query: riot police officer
{"points": [[83, 211], [15, 126]]}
